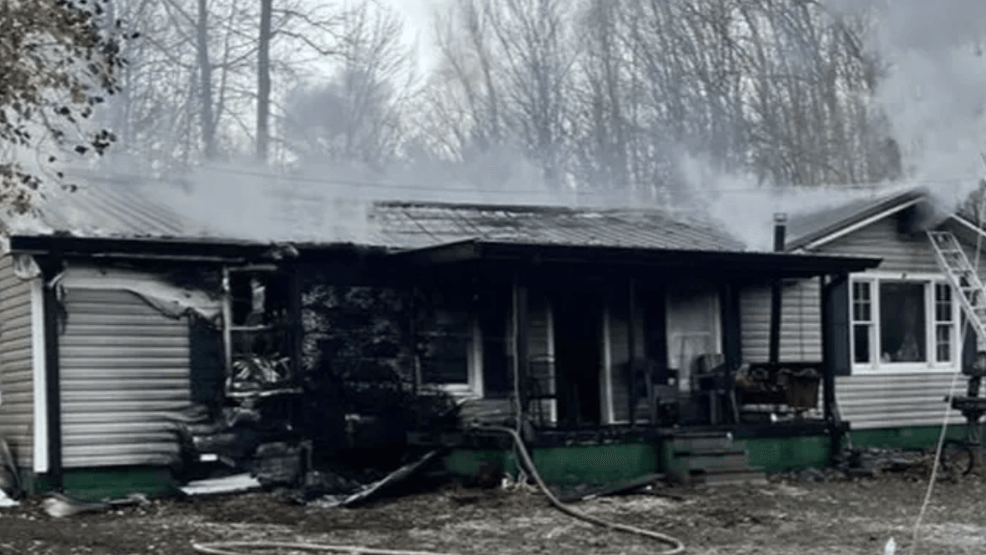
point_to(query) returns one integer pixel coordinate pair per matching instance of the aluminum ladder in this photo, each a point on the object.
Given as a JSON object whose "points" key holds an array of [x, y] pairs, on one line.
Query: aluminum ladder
{"points": [[962, 276]]}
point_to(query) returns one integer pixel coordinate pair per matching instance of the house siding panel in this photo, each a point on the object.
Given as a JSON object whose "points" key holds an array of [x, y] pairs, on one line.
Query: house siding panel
{"points": [[801, 322], [892, 400], [870, 401], [881, 239], [122, 364], [16, 364]]}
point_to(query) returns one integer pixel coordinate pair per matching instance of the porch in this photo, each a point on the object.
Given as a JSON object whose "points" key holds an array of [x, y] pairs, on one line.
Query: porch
{"points": [[606, 347]]}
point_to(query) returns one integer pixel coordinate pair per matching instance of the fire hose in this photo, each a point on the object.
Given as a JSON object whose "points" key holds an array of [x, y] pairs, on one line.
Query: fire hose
{"points": [[223, 548]]}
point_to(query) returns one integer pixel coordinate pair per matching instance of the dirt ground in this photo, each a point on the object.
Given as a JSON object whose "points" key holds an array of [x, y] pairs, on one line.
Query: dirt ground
{"points": [[784, 516]]}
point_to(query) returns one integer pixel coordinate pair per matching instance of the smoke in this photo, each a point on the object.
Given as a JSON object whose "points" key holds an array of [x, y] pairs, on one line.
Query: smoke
{"points": [[932, 91], [332, 201]]}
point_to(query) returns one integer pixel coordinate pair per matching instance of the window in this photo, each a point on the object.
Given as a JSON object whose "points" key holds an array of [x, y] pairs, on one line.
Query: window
{"points": [[902, 324], [944, 323], [862, 316], [450, 348]]}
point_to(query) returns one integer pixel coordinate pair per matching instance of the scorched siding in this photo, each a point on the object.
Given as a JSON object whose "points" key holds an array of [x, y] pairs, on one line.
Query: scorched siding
{"points": [[122, 364], [16, 363]]}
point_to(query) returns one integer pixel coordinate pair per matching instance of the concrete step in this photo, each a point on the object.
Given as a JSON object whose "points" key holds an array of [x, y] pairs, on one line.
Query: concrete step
{"points": [[722, 459], [693, 443], [714, 477]]}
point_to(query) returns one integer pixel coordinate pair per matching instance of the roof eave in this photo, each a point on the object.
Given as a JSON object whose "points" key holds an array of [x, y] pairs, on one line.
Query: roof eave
{"points": [[138, 248], [818, 238], [786, 264]]}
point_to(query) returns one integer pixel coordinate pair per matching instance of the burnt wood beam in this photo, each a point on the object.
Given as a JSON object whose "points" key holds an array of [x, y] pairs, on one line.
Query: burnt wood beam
{"points": [[835, 353], [522, 338], [633, 363]]}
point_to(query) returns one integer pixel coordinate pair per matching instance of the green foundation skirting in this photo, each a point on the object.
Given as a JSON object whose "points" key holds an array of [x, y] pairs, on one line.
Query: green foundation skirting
{"points": [[913, 437], [93, 484], [609, 463], [574, 465]]}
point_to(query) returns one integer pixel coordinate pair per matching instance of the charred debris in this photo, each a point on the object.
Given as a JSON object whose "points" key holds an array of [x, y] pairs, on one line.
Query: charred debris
{"points": [[302, 363], [307, 381]]}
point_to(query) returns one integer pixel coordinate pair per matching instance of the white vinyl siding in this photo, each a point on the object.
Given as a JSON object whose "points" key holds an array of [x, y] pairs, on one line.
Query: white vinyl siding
{"points": [[895, 397], [801, 322], [16, 363], [122, 364]]}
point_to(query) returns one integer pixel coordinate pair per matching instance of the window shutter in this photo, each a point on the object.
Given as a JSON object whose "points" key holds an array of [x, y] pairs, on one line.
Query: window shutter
{"points": [[836, 304], [969, 347]]}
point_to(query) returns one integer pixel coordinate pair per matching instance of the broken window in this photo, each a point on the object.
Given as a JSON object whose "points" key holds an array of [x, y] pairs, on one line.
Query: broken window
{"points": [[449, 342], [258, 331]]}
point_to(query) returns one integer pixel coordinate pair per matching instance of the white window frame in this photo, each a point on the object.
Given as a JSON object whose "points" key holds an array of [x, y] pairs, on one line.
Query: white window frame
{"points": [[473, 388], [876, 364]]}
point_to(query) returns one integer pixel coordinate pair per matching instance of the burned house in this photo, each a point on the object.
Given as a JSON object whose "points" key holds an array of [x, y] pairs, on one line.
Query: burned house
{"points": [[610, 337]]}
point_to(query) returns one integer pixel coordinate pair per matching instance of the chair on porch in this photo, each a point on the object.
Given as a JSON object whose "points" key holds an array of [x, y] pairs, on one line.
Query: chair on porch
{"points": [[713, 380], [542, 390], [659, 399]]}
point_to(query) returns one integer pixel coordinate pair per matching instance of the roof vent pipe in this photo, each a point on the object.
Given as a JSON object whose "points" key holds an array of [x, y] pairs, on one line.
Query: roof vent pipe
{"points": [[776, 294], [780, 227]]}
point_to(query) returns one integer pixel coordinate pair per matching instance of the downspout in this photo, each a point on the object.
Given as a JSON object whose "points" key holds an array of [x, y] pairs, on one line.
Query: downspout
{"points": [[51, 270], [776, 293]]}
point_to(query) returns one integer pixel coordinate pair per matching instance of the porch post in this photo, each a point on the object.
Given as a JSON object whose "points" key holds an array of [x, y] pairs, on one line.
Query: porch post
{"points": [[50, 270], [632, 348], [835, 349], [776, 294], [522, 337]]}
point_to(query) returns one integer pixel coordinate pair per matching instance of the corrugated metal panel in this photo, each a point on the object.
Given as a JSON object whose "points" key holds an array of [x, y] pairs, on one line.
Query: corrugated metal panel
{"points": [[881, 240], [122, 363], [896, 400], [102, 207], [412, 225], [120, 207], [16, 366], [801, 322]]}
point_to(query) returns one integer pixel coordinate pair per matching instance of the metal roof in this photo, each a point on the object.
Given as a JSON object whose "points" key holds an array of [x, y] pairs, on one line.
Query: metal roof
{"points": [[416, 225], [115, 209], [105, 210]]}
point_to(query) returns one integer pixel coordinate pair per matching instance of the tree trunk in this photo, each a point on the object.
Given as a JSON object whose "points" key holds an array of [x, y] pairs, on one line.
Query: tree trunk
{"points": [[208, 122], [263, 81]]}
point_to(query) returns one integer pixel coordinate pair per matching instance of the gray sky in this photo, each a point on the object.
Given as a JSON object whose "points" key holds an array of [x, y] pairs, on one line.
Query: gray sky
{"points": [[417, 15]]}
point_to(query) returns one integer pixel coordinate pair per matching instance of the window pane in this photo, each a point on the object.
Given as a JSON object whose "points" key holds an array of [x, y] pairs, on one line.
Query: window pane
{"points": [[902, 322], [943, 302], [445, 356], [861, 343], [943, 343]]}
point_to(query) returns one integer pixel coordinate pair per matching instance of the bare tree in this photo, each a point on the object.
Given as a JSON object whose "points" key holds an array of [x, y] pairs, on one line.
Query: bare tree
{"points": [[358, 115], [57, 61]]}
